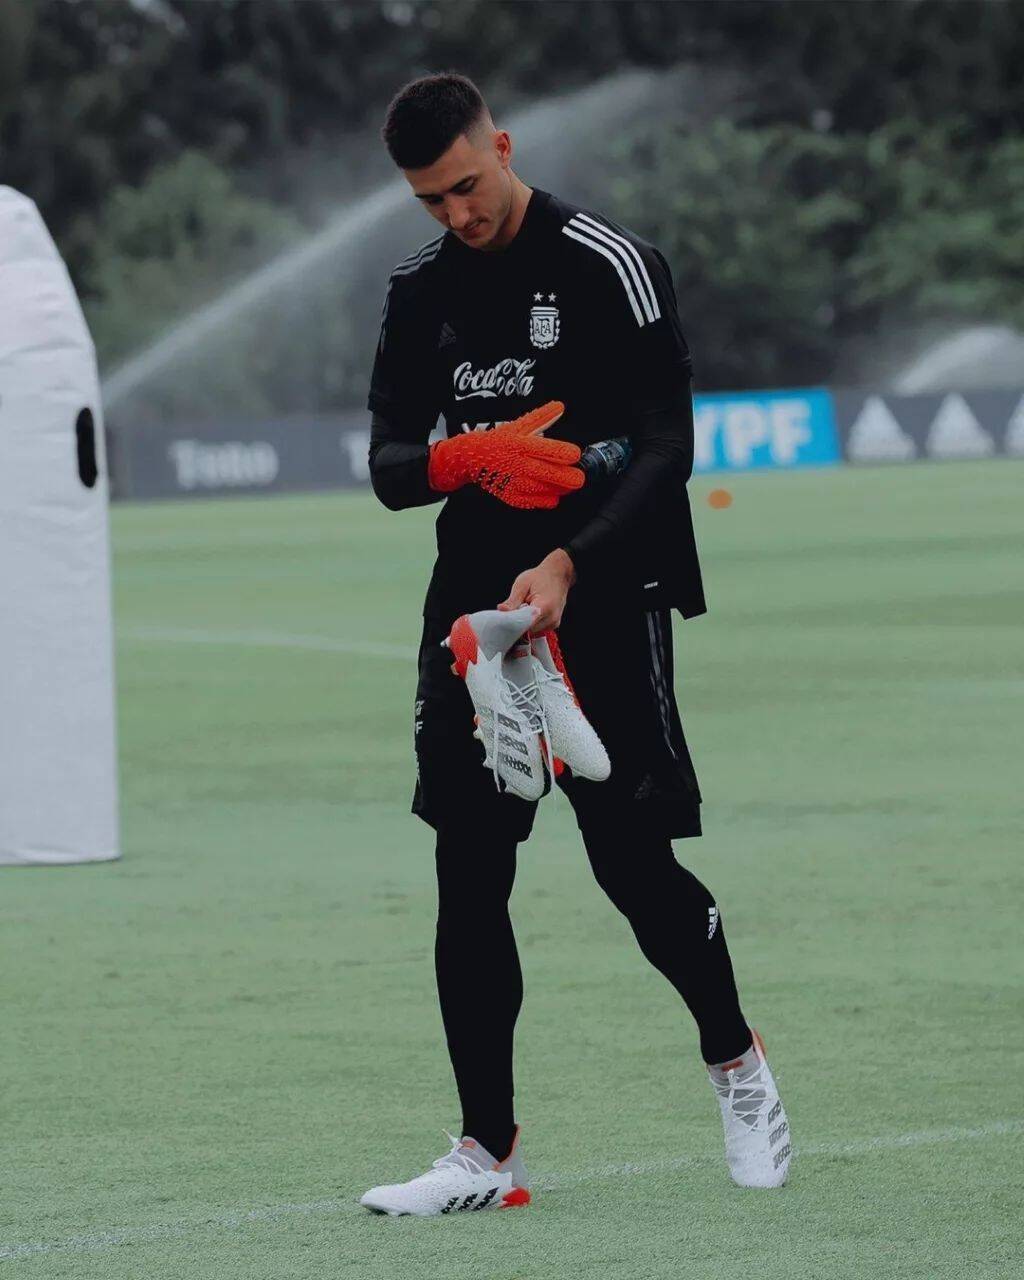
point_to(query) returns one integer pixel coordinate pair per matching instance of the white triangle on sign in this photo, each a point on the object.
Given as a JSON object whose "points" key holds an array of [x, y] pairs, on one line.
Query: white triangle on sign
{"points": [[876, 436], [1015, 429], [956, 433]]}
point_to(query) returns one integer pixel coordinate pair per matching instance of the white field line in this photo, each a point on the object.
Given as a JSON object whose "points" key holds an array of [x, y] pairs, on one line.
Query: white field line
{"points": [[640, 1168], [266, 640]]}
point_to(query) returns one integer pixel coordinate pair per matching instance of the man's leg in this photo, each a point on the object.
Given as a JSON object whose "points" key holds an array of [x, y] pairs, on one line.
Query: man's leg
{"points": [[479, 981], [628, 823], [626, 689], [676, 922]]}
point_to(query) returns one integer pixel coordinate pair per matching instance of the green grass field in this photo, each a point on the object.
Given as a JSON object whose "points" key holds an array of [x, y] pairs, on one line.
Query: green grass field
{"points": [[212, 1047]]}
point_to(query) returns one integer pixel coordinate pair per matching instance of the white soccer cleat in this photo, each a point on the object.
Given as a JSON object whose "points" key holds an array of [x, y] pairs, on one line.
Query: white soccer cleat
{"points": [[509, 719], [757, 1142], [573, 738], [467, 1178]]}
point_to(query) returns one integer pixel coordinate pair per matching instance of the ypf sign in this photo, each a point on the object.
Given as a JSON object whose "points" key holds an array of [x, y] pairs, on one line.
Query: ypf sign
{"points": [[762, 429]]}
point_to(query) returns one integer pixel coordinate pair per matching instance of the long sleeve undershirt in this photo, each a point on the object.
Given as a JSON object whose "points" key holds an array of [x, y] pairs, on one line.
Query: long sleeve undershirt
{"points": [[398, 465], [662, 462]]}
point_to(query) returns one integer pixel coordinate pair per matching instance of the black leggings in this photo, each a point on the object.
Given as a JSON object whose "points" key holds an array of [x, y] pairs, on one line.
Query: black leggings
{"points": [[671, 914]]}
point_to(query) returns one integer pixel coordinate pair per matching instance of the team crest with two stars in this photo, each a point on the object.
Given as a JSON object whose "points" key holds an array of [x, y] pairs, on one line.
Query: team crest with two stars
{"points": [[544, 326]]}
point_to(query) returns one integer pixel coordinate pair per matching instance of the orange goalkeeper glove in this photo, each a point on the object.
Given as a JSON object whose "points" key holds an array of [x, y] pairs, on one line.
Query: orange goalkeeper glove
{"points": [[513, 462]]}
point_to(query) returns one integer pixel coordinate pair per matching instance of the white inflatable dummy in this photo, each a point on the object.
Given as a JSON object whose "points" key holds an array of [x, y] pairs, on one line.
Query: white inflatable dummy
{"points": [[58, 773]]}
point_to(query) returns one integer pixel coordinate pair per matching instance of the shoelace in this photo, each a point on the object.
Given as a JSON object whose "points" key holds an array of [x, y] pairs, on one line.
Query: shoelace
{"points": [[525, 699], [747, 1098], [543, 676], [462, 1159]]}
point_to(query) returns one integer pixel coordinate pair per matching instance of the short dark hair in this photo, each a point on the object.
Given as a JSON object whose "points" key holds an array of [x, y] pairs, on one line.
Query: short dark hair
{"points": [[426, 116]]}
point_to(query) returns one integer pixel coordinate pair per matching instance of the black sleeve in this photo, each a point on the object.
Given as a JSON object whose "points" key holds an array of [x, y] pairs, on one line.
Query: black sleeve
{"points": [[403, 401], [398, 465], [642, 311]]}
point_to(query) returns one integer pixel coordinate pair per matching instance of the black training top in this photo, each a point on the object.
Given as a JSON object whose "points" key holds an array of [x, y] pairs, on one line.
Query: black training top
{"points": [[575, 308]]}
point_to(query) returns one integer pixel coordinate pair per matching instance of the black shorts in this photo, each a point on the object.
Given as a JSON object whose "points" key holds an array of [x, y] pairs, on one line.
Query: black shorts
{"points": [[621, 668]]}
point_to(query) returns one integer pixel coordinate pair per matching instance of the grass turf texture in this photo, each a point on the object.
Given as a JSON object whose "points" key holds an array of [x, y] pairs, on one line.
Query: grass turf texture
{"points": [[214, 1046]]}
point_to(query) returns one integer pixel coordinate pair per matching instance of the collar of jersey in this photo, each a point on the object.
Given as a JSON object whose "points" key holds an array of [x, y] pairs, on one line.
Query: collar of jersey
{"points": [[517, 245]]}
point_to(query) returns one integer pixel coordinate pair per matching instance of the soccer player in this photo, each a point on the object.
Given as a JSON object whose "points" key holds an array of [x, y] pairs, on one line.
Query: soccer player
{"points": [[523, 299]]}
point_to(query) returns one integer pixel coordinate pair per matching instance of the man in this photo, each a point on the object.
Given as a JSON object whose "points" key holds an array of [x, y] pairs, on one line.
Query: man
{"points": [[523, 300]]}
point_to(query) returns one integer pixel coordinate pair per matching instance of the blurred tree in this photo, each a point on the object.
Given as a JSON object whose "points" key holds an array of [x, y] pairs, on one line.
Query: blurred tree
{"points": [[116, 87], [871, 166], [86, 118], [790, 247], [859, 64], [17, 22], [167, 245], [944, 240], [755, 223]]}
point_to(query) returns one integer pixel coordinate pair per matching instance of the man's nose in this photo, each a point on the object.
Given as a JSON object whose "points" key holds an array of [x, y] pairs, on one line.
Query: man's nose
{"points": [[459, 216]]}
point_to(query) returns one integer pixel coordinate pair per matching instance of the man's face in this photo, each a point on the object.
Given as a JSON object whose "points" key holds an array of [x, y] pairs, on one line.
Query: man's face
{"points": [[468, 189]]}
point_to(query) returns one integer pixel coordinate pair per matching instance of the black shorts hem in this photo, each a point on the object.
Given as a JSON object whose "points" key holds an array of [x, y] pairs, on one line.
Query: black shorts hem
{"points": [[509, 816]]}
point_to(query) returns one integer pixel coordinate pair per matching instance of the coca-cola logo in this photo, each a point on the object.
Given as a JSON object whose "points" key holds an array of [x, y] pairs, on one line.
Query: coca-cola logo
{"points": [[506, 378]]}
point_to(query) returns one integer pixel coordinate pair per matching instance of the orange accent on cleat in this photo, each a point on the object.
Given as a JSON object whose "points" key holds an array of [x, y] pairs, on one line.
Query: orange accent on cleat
{"points": [[559, 766], [731, 1066], [514, 1198], [462, 643]]}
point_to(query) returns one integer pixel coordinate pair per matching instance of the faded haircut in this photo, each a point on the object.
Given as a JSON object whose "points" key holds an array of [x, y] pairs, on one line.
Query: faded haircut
{"points": [[426, 116]]}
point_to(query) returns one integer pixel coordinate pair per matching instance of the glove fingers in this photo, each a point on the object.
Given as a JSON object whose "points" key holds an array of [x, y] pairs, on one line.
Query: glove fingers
{"points": [[565, 478], [536, 421], [562, 451]]}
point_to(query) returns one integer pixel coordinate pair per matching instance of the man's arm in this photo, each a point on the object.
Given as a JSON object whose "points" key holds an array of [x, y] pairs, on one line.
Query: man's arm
{"points": [[656, 360], [403, 398], [398, 464], [662, 463]]}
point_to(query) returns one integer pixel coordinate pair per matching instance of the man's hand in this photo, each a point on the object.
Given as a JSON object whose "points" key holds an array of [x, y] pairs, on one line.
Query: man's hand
{"points": [[546, 587]]}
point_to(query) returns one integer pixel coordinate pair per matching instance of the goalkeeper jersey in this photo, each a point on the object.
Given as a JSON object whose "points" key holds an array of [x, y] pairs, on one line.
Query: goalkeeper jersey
{"points": [[575, 308]]}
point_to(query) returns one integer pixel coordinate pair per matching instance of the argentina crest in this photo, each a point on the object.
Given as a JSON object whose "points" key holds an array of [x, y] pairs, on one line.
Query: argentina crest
{"points": [[544, 326]]}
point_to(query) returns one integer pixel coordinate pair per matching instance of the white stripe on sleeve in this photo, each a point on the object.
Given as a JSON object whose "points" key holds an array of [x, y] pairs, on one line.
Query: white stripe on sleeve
{"points": [[616, 263]]}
